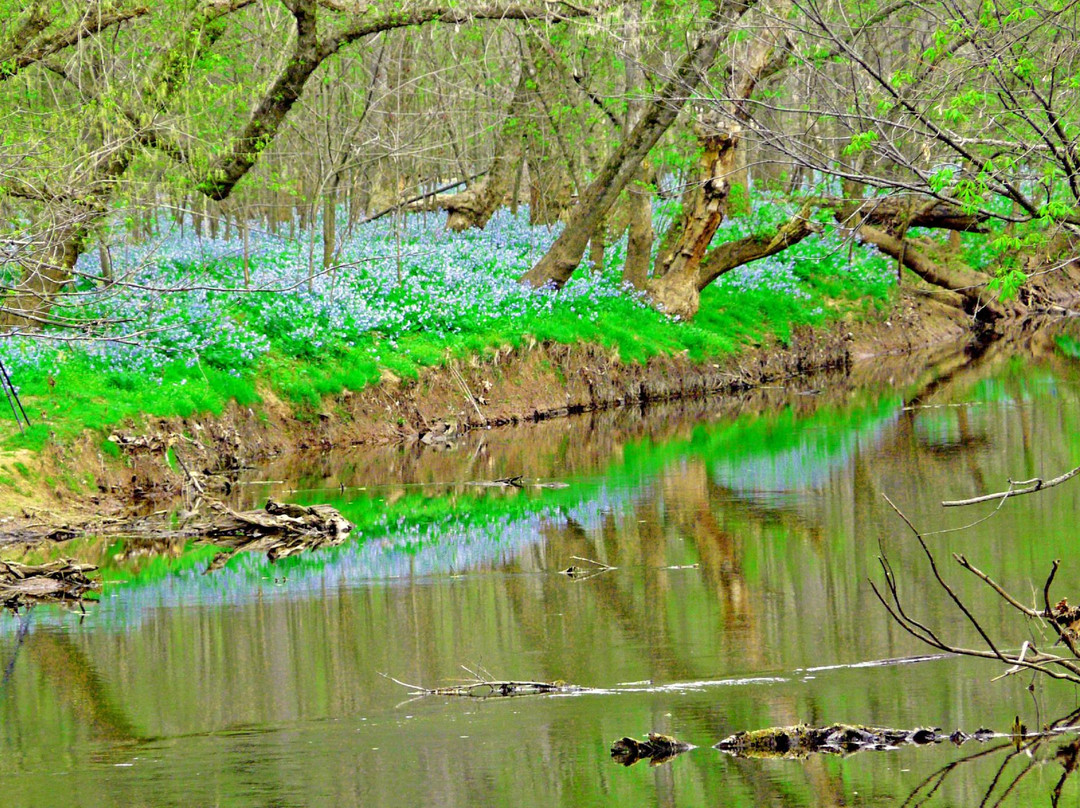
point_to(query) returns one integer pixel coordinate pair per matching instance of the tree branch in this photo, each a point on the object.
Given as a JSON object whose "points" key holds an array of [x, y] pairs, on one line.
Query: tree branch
{"points": [[1034, 485], [310, 52], [21, 50]]}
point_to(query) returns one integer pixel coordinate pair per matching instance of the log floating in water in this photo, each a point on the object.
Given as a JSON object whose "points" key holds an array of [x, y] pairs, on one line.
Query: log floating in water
{"points": [[656, 748], [802, 740], [481, 686]]}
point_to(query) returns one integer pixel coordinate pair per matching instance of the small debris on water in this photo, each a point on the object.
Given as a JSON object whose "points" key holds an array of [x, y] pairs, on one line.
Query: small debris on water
{"points": [[656, 748]]}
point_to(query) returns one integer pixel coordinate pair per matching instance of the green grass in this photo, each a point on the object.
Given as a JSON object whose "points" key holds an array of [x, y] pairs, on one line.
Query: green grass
{"points": [[79, 398]]}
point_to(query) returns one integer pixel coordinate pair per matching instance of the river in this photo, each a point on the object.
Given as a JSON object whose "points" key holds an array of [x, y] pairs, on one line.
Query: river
{"points": [[738, 537]]}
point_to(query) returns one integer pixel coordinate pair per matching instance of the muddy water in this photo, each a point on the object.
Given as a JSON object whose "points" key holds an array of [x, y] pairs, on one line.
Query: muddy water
{"points": [[741, 536]]}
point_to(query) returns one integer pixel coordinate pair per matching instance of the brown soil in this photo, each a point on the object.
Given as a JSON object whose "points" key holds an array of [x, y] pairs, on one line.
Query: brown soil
{"points": [[533, 383]]}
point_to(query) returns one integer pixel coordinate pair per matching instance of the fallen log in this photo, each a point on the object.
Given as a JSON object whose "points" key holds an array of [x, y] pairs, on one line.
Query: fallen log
{"points": [[280, 530], [802, 740], [481, 687], [60, 581]]}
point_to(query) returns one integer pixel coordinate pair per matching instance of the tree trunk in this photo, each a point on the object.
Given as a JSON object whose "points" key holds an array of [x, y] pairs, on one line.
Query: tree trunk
{"points": [[969, 284], [679, 293], [474, 207], [550, 191], [565, 254], [640, 237], [329, 224], [675, 289], [596, 247], [44, 275], [719, 132]]}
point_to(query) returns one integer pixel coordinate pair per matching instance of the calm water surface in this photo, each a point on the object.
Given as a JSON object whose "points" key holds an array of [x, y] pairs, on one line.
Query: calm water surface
{"points": [[742, 534]]}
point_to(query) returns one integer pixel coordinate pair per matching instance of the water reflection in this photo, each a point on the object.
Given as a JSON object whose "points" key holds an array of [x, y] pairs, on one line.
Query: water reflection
{"points": [[740, 535]]}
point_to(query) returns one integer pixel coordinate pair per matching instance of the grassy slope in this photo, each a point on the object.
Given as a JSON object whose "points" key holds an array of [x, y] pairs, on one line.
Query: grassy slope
{"points": [[84, 397]]}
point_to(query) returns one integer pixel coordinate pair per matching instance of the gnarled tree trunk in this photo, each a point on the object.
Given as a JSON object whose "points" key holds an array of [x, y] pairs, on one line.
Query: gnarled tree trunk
{"points": [[704, 207], [559, 263]]}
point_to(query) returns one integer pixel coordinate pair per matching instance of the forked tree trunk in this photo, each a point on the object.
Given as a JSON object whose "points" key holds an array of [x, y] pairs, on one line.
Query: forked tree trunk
{"points": [[559, 263], [681, 296], [675, 289], [719, 131]]}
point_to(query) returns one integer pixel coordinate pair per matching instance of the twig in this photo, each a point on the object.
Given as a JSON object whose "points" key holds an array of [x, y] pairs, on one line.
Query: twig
{"points": [[948, 589], [963, 562], [1036, 484], [1016, 668], [1063, 632], [468, 392], [599, 564], [195, 483]]}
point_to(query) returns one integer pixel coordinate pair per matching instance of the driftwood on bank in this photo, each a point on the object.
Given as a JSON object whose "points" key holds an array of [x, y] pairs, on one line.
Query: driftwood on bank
{"points": [[280, 530], [60, 581]]}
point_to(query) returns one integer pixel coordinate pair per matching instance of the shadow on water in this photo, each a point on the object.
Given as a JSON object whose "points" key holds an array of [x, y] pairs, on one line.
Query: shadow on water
{"points": [[732, 538]]}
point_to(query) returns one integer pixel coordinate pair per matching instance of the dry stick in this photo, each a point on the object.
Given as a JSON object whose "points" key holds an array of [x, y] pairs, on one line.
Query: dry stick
{"points": [[190, 476], [1036, 484], [1062, 632], [994, 653], [1016, 668], [909, 624], [890, 578], [963, 562], [948, 589], [468, 393]]}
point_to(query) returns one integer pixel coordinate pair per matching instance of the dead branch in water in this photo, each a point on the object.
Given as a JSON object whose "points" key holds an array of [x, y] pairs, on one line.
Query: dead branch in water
{"points": [[481, 687], [584, 573], [656, 749], [1064, 621], [1033, 485], [280, 530], [802, 740]]}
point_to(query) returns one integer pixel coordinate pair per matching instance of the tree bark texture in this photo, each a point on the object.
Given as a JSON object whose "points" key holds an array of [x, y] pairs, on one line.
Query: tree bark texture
{"points": [[969, 284]]}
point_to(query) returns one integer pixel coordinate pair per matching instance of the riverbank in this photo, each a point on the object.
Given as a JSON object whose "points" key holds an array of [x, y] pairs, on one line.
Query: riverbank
{"points": [[130, 430], [148, 465]]}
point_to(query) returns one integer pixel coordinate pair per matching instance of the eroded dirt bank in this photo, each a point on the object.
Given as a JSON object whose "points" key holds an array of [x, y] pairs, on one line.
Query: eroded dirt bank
{"points": [[163, 460]]}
